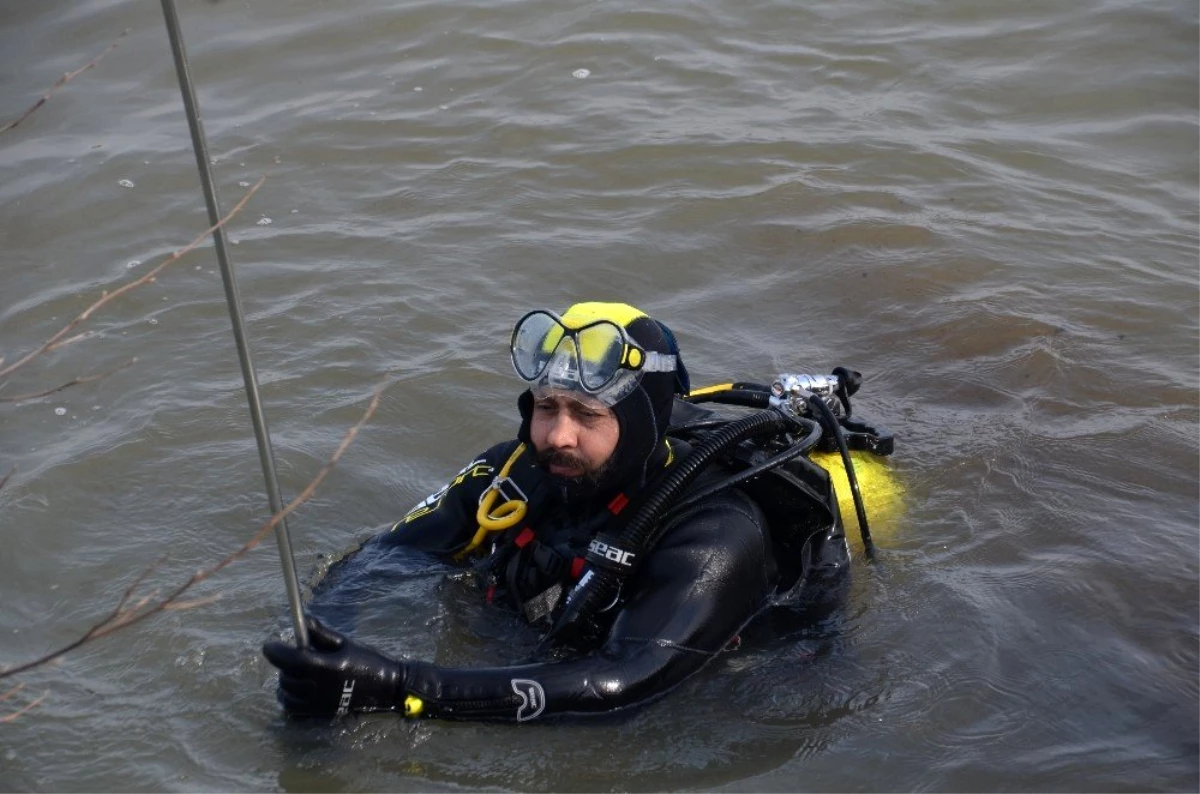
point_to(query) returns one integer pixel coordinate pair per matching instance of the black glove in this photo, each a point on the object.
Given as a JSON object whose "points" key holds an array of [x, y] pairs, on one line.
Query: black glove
{"points": [[334, 675]]}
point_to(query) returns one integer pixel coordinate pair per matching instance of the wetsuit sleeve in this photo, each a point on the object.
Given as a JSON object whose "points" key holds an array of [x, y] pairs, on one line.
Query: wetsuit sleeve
{"points": [[712, 572], [444, 522]]}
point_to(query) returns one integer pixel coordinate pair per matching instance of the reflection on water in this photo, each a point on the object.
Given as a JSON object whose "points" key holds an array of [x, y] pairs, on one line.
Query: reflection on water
{"points": [[989, 211]]}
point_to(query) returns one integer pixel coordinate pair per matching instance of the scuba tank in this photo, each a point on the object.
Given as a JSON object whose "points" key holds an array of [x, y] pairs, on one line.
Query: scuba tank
{"points": [[796, 415]]}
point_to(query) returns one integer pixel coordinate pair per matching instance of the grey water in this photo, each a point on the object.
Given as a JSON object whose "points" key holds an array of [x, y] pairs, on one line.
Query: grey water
{"points": [[989, 209]]}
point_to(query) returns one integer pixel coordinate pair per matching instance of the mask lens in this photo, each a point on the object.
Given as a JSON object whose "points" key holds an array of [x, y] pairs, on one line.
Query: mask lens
{"points": [[600, 350], [535, 339], [588, 361]]}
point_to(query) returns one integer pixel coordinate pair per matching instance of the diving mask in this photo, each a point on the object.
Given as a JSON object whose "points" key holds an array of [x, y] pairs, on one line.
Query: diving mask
{"points": [[597, 358]]}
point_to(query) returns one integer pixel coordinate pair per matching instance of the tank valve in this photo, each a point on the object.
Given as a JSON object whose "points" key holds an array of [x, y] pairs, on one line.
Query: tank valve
{"points": [[791, 391]]}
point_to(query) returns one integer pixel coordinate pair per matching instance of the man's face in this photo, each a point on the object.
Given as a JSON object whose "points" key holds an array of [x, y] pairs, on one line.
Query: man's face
{"points": [[573, 439]]}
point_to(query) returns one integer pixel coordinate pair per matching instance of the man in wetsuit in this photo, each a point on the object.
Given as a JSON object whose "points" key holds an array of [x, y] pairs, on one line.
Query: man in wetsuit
{"points": [[602, 381]]}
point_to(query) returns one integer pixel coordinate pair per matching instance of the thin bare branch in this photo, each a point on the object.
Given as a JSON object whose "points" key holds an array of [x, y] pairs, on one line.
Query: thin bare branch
{"points": [[115, 616], [66, 78], [68, 384], [123, 616], [11, 692], [28, 707], [141, 602], [71, 340], [8, 474], [107, 296], [193, 603]]}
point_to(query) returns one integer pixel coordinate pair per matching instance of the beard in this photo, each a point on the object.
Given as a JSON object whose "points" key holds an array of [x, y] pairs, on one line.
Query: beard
{"points": [[582, 485]]}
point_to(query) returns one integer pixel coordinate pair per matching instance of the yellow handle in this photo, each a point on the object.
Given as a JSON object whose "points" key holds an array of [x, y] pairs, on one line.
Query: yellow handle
{"points": [[507, 515], [710, 389]]}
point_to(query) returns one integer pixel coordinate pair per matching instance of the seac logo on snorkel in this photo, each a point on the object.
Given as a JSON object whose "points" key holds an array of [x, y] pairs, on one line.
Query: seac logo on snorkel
{"points": [[611, 553], [533, 698]]}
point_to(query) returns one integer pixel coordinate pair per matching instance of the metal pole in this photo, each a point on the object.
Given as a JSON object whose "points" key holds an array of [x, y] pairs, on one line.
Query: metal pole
{"points": [[265, 454]]}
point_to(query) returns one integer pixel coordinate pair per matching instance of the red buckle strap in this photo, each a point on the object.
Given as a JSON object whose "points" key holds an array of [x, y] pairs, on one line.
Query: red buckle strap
{"points": [[577, 567], [618, 503], [525, 538]]}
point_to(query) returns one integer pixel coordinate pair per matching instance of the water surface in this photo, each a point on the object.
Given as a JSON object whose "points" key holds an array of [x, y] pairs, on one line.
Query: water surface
{"points": [[988, 209]]}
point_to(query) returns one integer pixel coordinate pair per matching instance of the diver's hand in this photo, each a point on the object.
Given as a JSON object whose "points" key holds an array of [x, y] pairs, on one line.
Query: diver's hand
{"points": [[334, 675]]}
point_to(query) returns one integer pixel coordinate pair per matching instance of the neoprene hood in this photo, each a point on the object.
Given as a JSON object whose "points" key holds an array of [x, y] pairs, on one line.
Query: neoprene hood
{"points": [[644, 413]]}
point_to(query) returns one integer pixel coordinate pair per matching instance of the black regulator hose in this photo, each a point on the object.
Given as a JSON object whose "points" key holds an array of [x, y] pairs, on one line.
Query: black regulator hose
{"points": [[795, 450], [612, 558], [819, 406], [757, 395]]}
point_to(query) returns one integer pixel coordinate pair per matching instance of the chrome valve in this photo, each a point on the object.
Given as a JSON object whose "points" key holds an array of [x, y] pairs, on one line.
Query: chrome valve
{"points": [[791, 391]]}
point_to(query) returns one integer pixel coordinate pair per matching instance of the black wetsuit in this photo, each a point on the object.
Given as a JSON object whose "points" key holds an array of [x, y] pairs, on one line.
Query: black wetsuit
{"points": [[714, 570]]}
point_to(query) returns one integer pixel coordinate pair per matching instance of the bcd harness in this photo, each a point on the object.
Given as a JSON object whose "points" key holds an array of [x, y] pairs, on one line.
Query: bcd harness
{"points": [[535, 563]]}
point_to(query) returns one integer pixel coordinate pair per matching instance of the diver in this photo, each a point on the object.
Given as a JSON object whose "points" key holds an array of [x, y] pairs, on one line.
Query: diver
{"points": [[637, 531]]}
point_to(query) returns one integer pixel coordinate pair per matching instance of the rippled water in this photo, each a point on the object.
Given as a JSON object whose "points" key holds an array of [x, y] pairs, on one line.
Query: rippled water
{"points": [[989, 209]]}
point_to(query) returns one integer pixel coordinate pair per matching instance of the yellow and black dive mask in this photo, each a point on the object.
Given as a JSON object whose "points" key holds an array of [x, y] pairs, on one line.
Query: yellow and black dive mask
{"points": [[588, 351]]}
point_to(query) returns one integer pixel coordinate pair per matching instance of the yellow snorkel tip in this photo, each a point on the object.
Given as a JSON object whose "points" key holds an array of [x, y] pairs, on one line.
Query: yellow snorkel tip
{"points": [[413, 706]]}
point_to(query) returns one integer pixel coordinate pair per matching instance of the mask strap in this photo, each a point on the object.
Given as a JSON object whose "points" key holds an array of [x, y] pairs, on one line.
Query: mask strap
{"points": [[683, 382]]}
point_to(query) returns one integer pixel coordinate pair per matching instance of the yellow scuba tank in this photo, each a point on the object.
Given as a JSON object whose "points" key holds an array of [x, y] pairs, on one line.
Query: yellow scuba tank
{"points": [[882, 494], [881, 491]]}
